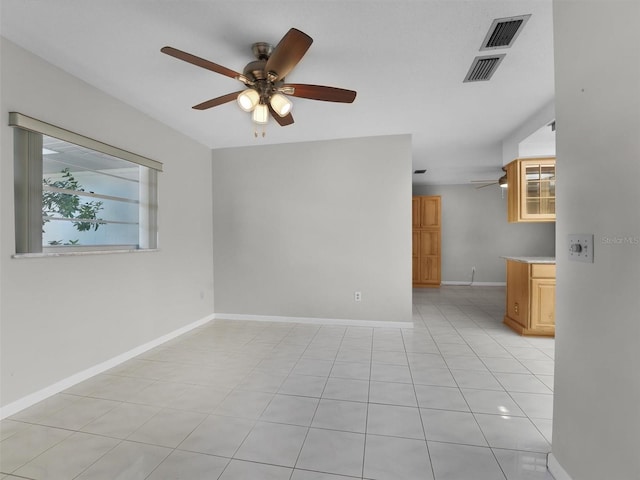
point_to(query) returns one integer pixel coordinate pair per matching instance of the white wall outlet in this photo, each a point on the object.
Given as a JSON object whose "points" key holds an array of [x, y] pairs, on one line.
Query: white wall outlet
{"points": [[581, 247], [357, 296]]}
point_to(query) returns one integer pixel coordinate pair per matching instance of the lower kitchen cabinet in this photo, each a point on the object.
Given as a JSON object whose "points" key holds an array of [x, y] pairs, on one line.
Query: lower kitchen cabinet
{"points": [[531, 297], [543, 303]]}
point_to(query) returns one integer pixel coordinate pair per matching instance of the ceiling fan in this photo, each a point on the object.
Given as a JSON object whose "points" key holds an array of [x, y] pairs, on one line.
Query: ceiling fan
{"points": [[502, 181], [266, 91]]}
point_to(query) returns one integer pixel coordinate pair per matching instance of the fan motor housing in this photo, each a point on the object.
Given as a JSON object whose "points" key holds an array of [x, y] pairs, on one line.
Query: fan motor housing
{"points": [[262, 50], [255, 70]]}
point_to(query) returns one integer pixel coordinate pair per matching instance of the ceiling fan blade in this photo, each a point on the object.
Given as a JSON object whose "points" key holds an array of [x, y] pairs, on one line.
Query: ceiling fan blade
{"points": [[282, 121], [214, 102], [487, 185], [288, 53], [320, 92], [200, 62]]}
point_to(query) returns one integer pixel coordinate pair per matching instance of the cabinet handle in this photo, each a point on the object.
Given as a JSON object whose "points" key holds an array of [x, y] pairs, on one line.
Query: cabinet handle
{"points": [[516, 308]]}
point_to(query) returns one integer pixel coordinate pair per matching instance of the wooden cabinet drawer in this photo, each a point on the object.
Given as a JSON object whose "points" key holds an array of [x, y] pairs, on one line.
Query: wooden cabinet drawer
{"points": [[539, 270]]}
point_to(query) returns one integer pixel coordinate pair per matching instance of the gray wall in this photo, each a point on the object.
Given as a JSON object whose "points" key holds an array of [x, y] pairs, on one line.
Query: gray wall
{"points": [[299, 228], [596, 429], [62, 315], [475, 232]]}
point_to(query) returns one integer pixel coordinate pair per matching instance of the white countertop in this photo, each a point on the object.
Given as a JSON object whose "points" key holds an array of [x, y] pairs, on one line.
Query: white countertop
{"points": [[550, 260]]}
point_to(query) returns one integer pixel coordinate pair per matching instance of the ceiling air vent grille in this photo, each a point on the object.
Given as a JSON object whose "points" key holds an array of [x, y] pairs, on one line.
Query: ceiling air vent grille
{"points": [[503, 32], [483, 68]]}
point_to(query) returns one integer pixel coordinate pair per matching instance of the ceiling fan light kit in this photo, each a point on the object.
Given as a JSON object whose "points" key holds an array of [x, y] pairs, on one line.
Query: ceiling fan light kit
{"points": [[260, 114], [248, 99], [280, 104], [263, 78]]}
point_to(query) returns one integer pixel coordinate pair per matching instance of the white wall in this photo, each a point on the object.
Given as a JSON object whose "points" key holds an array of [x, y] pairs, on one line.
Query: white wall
{"points": [[475, 232], [596, 430], [60, 316], [298, 228], [511, 148], [541, 143]]}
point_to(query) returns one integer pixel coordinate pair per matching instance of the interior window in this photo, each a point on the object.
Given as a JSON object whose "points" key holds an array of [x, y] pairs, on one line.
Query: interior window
{"points": [[72, 197]]}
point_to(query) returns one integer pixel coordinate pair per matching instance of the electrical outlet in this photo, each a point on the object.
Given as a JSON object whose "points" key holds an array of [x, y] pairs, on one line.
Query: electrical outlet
{"points": [[357, 296]]}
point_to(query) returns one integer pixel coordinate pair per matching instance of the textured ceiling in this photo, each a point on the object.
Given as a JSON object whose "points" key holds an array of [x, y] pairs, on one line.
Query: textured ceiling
{"points": [[406, 59]]}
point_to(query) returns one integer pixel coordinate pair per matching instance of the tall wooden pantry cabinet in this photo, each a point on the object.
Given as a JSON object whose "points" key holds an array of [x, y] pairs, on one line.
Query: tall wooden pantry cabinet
{"points": [[426, 241]]}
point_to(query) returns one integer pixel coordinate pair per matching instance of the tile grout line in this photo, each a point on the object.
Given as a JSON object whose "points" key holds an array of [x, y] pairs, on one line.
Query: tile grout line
{"points": [[424, 432], [472, 412], [319, 399]]}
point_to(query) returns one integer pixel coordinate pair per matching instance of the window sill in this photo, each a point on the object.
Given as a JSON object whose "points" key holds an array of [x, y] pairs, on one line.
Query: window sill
{"points": [[81, 253]]}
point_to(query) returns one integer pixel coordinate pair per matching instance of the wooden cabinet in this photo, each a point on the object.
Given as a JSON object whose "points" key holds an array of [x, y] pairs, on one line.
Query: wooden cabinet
{"points": [[415, 212], [531, 194], [543, 302], [518, 293], [426, 241], [531, 298]]}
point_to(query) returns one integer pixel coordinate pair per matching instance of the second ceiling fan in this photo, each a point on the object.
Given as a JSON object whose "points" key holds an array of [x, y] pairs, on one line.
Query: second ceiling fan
{"points": [[265, 90]]}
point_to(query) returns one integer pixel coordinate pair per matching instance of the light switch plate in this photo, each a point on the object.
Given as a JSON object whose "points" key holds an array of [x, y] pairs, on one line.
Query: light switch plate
{"points": [[581, 247]]}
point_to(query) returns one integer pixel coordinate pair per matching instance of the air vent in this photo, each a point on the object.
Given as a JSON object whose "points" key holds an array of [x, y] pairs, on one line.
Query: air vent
{"points": [[483, 68], [503, 32], [419, 171]]}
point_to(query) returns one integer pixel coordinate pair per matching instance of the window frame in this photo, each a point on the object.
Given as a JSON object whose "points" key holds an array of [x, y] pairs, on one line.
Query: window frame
{"points": [[28, 170]]}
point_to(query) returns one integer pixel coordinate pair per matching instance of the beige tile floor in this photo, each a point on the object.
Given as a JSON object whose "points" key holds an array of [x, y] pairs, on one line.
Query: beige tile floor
{"points": [[459, 396]]}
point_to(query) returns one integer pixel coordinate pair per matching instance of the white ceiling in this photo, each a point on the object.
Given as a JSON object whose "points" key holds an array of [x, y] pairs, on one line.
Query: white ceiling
{"points": [[406, 59]]}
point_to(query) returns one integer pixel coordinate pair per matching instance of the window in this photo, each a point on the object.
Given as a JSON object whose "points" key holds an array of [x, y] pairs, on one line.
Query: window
{"points": [[73, 193]]}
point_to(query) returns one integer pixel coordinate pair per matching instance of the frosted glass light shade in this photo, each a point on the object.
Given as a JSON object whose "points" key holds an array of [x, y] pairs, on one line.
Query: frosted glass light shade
{"points": [[261, 114], [248, 99], [280, 104]]}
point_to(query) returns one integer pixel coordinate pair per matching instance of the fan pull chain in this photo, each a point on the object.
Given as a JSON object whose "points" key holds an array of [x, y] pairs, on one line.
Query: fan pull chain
{"points": [[263, 133]]}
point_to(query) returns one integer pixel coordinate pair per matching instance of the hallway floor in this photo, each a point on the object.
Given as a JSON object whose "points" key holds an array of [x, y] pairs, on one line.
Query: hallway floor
{"points": [[457, 397]]}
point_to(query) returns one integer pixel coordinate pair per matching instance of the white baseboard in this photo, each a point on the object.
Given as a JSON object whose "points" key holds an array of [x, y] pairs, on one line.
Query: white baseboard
{"points": [[476, 284], [556, 469], [314, 320], [33, 398]]}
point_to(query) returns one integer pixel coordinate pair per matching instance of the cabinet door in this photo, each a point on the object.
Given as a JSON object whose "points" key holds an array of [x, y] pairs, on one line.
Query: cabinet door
{"points": [[429, 270], [415, 243], [430, 212], [537, 189], [543, 305], [513, 197], [429, 242], [415, 211], [518, 292]]}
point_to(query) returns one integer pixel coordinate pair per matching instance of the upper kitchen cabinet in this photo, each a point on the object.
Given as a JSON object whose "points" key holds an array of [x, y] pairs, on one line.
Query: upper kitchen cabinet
{"points": [[531, 194]]}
